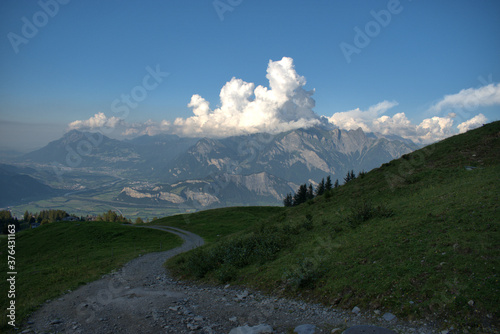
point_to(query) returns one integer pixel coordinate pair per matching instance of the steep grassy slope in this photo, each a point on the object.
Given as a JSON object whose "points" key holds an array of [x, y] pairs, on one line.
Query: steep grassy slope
{"points": [[418, 237], [59, 256]]}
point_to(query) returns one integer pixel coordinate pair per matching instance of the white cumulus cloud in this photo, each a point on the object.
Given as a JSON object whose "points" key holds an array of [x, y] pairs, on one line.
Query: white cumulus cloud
{"points": [[429, 130], [470, 98], [472, 123], [398, 125], [245, 108], [98, 121], [434, 129], [357, 118]]}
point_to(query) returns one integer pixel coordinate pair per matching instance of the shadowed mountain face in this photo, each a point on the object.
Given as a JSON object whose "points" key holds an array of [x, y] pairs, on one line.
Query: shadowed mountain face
{"points": [[241, 170], [17, 187]]}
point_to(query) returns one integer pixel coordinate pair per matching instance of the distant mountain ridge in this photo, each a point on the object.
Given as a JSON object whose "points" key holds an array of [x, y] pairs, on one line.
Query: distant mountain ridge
{"points": [[254, 169], [315, 152], [85, 149]]}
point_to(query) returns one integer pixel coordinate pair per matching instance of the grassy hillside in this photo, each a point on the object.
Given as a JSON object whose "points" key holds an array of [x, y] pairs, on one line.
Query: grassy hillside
{"points": [[59, 256], [214, 224], [417, 237]]}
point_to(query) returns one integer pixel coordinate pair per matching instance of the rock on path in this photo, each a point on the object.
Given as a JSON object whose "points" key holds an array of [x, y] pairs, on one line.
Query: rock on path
{"points": [[142, 298]]}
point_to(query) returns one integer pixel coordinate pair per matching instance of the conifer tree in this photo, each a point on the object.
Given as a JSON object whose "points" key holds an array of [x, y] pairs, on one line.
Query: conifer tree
{"points": [[328, 184], [350, 176], [320, 190], [288, 200], [347, 178], [310, 192], [301, 195]]}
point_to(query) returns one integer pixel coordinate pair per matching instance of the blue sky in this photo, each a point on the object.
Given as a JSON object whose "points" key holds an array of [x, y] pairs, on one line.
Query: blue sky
{"points": [[426, 59]]}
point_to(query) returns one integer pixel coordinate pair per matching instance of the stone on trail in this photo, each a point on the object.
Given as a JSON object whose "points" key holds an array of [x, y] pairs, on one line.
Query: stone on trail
{"points": [[259, 329], [305, 329], [193, 326], [242, 295], [389, 316], [365, 329]]}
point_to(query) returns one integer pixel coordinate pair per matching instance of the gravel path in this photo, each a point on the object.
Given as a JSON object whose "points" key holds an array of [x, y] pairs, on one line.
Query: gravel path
{"points": [[142, 298]]}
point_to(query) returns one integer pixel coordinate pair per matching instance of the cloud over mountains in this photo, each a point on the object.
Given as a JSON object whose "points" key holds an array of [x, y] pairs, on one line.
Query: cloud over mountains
{"points": [[98, 121], [285, 105]]}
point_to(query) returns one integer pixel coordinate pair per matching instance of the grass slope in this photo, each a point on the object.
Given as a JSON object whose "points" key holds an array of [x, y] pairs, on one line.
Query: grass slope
{"points": [[417, 237], [214, 224], [59, 256]]}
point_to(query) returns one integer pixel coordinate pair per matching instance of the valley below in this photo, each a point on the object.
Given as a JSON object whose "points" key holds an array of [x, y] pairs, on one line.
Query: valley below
{"points": [[85, 198], [156, 176]]}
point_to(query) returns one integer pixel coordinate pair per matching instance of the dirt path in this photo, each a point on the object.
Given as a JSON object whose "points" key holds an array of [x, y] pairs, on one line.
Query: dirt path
{"points": [[142, 298]]}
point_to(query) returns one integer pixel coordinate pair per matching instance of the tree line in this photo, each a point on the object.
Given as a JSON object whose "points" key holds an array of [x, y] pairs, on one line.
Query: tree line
{"points": [[6, 219], [306, 193], [49, 216], [113, 217], [44, 216]]}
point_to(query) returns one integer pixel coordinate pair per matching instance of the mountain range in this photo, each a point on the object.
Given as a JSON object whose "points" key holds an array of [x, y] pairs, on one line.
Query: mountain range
{"points": [[196, 173]]}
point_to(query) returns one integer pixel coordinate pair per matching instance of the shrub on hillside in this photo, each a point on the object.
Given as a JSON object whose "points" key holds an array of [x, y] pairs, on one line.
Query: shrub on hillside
{"points": [[200, 262], [224, 258], [363, 211], [225, 273], [304, 275], [308, 223]]}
